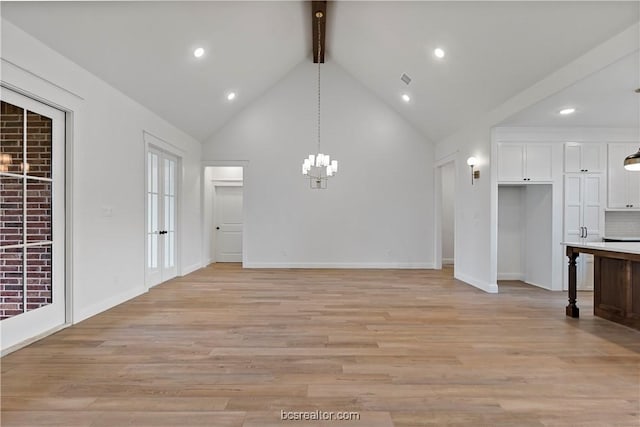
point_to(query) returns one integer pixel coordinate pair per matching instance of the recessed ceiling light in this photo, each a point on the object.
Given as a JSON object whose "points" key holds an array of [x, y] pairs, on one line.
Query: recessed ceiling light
{"points": [[231, 96], [567, 111], [198, 52], [439, 53], [405, 97]]}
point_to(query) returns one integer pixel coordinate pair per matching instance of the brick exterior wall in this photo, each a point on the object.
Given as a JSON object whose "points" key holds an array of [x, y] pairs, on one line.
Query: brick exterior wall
{"points": [[38, 206]]}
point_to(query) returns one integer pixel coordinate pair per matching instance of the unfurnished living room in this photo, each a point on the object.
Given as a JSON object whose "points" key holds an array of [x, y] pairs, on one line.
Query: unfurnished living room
{"points": [[320, 213]]}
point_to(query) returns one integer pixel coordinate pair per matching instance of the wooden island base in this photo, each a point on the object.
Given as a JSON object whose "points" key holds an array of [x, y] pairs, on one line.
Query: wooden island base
{"points": [[616, 285]]}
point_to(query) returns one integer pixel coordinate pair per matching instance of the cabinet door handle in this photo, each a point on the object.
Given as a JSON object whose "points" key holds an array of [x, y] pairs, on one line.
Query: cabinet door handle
{"points": [[586, 232]]}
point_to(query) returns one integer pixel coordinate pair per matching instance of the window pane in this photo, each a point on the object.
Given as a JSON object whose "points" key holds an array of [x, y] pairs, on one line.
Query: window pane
{"points": [[172, 214], [11, 214], [167, 176], [11, 137], [154, 213], [172, 180], [11, 279], [38, 145], [154, 173], [172, 249], [38, 211], [154, 251], [39, 279]]}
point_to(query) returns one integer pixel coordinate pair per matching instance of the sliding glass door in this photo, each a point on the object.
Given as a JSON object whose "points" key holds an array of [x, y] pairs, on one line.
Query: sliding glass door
{"points": [[32, 234]]}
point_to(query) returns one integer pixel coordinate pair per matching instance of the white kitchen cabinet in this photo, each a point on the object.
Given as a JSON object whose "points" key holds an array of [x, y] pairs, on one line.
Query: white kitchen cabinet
{"points": [[523, 163], [624, 185], [584, 157], [584, 217]]}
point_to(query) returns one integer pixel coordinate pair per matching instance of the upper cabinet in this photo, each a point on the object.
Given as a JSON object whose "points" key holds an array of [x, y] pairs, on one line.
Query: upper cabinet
{"points": [[624, 185], [524, 162], [584, 157]]}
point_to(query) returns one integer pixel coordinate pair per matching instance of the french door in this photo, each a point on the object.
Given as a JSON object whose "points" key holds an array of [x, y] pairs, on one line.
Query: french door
{"points": [[161, 227], [32, 219]]}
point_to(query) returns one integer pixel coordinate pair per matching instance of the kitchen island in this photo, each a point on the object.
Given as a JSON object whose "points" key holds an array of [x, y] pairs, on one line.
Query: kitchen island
{"points": [[616, 281]]}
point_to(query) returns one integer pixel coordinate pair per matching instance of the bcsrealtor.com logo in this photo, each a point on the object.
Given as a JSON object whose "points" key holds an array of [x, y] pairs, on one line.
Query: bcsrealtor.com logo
{"points": [[319, 415]]}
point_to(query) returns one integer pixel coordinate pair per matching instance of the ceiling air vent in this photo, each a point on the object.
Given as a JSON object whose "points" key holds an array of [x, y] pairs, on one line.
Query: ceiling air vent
{"points": [[405, 78]]}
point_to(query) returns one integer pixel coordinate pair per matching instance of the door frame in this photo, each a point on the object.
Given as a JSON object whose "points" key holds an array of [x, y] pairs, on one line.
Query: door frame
{"points": [[205, 240], [437, 214], [69, 104], [151, 141]]}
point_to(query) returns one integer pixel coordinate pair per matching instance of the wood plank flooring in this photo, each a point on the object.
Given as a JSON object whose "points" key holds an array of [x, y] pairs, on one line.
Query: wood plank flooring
{"points": [[231, 347]]}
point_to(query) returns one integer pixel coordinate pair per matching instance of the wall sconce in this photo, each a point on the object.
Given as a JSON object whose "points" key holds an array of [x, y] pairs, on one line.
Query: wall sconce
{"points": [[472, 161]]}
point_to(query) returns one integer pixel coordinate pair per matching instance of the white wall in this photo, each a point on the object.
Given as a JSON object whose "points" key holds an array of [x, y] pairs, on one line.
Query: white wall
{"points": [[511, 227], [377, 211], [448, 211], [476, 206], [108, 158], [538, 238]]}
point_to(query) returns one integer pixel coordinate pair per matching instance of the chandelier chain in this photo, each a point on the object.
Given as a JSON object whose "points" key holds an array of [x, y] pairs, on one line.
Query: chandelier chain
{"points": [[319, 53]]}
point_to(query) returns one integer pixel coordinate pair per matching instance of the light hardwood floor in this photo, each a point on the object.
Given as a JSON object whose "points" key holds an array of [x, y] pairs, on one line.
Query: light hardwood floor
{"points": [[231, 347]]}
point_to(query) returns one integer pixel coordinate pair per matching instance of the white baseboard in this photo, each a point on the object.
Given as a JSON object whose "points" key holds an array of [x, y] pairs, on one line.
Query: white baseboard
{"points": [[482, 285], [511, 276], [191, 268], [537, 285], [447, 261], [32, 340], [84, 313], [354, 265]]}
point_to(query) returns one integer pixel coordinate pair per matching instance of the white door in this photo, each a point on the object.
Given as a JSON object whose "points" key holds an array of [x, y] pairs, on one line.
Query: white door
{"points": [[584, 218], [633, 188], [228, 219], [624, 187], [510, 162], [593, 157], [161, 227], [538, 162], [32, 219], [573, 195]]}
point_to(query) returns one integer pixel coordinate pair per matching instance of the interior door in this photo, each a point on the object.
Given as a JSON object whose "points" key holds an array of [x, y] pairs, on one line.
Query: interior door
{"points": [[161, 230], [32, 219], [228, 202]]}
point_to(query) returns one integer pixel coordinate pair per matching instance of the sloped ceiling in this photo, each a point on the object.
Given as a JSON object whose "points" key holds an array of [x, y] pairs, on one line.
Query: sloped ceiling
{"points": [[494, 50], [604, 99]]}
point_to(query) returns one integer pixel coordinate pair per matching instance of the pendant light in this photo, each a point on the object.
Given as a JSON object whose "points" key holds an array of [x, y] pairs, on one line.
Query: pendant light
{"points": [[632, 161], [319, 167]]}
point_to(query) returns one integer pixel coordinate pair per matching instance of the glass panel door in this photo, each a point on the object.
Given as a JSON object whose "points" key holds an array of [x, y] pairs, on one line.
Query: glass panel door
{"points": [[161, 217], [32, 238]]}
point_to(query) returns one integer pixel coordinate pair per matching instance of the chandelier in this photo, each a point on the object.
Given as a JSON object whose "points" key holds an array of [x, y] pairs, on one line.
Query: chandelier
{"points": [[319, 167]]}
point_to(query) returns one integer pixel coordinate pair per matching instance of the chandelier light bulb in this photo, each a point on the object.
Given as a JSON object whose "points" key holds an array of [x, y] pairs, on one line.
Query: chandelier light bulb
{"points": [[198, 52]]}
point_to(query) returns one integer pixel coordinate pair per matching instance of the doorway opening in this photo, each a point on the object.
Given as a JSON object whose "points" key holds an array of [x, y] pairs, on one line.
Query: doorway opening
{"points": [[448, 182], [445, 214], [224, 214], [525, 241]]}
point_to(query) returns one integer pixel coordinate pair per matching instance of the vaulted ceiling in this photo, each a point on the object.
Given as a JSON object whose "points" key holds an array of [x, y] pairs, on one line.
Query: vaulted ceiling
{"points": [[493, 50]]}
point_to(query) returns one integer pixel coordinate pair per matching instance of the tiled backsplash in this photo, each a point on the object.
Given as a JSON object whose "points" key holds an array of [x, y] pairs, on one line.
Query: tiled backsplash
{"points": [[622, 223]]}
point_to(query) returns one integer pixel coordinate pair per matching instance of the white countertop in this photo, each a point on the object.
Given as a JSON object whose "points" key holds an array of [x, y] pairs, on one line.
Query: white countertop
{"points": [[622, 238], [625, 247]]}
